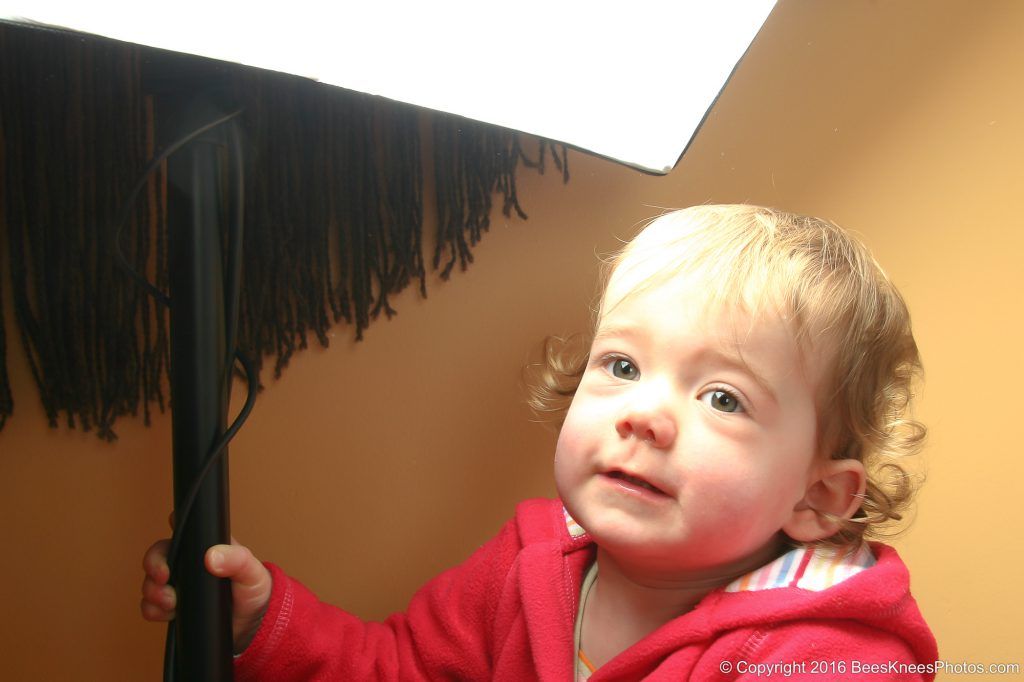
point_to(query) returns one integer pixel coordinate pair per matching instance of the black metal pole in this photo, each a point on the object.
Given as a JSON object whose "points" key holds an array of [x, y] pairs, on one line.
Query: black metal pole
{"points": [[199, 370]]}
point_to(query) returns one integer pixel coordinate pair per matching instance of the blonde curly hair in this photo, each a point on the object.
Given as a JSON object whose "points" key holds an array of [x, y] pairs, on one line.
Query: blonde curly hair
{"points": [[835, 296]]}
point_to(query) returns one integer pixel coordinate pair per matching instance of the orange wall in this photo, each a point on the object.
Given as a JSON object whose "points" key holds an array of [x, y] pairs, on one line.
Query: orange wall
{"points": [[369, 467]]}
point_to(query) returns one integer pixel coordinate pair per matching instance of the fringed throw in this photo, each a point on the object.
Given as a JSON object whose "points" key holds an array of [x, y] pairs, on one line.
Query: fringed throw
{"points": [[334, 215]]}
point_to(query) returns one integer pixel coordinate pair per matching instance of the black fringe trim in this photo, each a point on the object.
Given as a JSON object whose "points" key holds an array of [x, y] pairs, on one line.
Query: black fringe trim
{"points": [[334, 216]]}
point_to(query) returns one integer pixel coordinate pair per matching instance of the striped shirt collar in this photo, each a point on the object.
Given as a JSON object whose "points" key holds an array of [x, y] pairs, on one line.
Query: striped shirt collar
{"points": [[808, 568]]}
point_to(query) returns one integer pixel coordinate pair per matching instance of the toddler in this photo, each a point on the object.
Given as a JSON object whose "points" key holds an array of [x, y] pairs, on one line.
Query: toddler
{"points": [[728, 447]]}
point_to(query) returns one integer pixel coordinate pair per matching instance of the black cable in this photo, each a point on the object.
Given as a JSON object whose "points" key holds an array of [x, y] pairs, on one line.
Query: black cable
{"points": [[179, 522], [215, 454], [212, 458], [126, 208]]}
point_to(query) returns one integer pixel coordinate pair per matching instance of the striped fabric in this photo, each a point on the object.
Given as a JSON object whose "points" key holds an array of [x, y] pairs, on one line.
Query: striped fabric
{"points": [[813, 569], [575, 529], [584, 668]]}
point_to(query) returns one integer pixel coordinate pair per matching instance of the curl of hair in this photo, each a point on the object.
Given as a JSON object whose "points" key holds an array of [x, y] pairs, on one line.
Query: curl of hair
{"points": [[872, 419], [552, 383]]}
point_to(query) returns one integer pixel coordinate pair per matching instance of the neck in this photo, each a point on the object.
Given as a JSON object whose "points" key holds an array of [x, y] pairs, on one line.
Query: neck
{"points": [[626, 603], [644, 598]]}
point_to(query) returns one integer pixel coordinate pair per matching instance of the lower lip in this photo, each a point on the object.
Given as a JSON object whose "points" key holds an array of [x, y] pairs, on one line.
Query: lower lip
{"points": [[633, 489]]}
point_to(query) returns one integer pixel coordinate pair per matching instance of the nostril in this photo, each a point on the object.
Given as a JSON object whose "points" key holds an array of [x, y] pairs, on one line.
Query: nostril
{"points": [[627, 427], [655, 429]]}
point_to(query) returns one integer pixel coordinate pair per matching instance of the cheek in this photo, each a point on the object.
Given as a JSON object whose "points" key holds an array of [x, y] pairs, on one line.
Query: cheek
{"points": [[575, 439], [580, 420], [570, 444], [566, 464], [721, 488], [735, 487]]}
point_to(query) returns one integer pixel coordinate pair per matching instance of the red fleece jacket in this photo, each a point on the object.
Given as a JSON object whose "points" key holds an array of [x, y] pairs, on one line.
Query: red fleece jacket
{"points": [[508, 612]]}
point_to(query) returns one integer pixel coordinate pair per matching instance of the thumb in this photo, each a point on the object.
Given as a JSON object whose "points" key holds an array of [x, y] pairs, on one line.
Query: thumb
{"points": [[235, 562], [250, 586]]}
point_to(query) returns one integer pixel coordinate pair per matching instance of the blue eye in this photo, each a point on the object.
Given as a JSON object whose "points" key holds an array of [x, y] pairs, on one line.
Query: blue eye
{"points": [[621, 368], [721, 400]]}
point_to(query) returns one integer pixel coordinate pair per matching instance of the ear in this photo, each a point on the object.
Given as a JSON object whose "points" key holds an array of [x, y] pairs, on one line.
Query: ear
{"points": [[836, 492]]}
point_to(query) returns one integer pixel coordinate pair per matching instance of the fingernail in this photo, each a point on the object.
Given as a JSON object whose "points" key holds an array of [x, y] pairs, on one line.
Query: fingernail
{"points": [[216, 559]]}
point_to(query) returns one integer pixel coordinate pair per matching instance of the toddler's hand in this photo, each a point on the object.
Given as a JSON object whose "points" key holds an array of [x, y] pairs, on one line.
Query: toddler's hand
{"points": [[250, 587]]}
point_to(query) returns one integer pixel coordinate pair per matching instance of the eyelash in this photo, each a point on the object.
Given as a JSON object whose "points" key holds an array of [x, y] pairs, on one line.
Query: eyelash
{"points": [[732, 393], [605, 360]]}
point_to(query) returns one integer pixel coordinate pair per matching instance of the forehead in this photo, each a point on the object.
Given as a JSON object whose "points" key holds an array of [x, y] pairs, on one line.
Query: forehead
{"points": [[701, 286], [685, 304], [728, 262]]}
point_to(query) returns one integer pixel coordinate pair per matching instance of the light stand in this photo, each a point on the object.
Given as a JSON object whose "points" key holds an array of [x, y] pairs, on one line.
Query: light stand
{"points": [[203, 318]]}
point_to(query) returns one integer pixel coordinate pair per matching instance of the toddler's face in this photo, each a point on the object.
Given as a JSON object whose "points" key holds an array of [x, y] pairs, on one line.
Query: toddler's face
{"points": [[692, 435]]}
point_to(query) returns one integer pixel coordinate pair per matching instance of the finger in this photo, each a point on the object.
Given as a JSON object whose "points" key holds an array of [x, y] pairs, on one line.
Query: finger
{"points": [[159, 595], [154, 613], [154, 561]]}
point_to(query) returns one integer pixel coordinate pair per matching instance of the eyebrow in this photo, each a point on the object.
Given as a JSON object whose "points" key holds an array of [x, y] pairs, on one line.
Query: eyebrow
{"points": [[736, 361], [703, 354]]}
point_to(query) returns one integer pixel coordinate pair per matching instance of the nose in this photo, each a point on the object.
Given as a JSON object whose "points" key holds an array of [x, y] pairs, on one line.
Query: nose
{"points": [[650, 425]]}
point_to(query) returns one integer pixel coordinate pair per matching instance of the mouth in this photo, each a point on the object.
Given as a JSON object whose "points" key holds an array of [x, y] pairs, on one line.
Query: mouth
{"points": [[630, 481]]}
